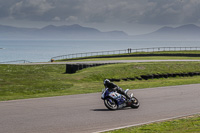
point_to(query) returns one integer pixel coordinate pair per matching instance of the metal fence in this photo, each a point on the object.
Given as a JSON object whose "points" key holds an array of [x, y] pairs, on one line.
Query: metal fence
{"points": [[88, 54], [158, 49], [114, 52], [15, 62], [125, 51]]}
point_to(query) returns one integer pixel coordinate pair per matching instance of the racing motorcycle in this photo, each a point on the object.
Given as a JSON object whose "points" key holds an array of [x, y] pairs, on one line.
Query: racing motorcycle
{"points": [[114, 100]]}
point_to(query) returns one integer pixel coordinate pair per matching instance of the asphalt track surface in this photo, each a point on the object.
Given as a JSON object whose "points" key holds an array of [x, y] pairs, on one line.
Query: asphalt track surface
{"points": [[86, 113]]}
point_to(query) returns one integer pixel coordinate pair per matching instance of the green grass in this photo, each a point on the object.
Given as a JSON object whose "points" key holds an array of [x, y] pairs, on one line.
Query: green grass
{"points": [[139, 58], [136, 69], [184, 125], [30, 81]]}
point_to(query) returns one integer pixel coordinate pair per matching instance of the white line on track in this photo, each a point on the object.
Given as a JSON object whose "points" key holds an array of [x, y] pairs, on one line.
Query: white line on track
{"points": [[145, 123]]}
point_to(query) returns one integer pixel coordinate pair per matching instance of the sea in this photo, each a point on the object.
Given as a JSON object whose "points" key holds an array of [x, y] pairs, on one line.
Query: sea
{"points": [[44, 50]]}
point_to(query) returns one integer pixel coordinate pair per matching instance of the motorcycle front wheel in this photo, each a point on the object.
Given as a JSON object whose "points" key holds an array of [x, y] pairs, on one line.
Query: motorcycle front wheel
{"points": [[135, 103], [110, 104]]}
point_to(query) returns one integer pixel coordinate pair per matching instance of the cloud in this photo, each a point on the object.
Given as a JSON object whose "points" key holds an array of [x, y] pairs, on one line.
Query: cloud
{"points": [[71, 19], [30, 9], [155, 12], [172, 12], [4, 8], [56, 19]]}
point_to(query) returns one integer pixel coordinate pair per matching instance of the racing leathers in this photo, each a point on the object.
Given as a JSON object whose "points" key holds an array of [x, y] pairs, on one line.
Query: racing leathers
{"points": [[113, 87]]}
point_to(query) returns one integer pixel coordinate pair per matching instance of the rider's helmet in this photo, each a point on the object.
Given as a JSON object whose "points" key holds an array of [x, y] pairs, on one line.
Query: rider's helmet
{"points": [[106, 82]]}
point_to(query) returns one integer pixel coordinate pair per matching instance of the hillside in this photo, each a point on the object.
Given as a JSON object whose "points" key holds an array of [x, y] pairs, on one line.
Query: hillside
{"points": [[58, 32], [185, 32]]}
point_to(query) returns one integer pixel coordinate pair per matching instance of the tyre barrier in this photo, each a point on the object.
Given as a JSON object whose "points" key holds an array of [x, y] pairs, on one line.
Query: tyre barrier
{"points": [[73, 68], [157, 76]]}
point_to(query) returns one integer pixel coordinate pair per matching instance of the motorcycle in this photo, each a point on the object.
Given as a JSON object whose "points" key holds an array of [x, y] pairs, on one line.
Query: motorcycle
{"points": [[114, 100]]}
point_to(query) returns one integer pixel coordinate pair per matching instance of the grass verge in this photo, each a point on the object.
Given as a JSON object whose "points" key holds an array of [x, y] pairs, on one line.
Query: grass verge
{"points": [[138, 58], [19, 82], [184, 125]]}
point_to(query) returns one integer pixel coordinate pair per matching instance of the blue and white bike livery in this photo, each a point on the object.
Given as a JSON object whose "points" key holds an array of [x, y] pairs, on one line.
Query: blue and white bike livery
{"points": [[114, 100]]}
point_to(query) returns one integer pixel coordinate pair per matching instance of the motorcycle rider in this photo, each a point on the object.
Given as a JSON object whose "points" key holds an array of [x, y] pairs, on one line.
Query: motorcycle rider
{"points": [[113, 87]]}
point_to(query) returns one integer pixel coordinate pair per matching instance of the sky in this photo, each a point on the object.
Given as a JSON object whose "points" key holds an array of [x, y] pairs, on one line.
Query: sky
{"points": [[131, 16]]}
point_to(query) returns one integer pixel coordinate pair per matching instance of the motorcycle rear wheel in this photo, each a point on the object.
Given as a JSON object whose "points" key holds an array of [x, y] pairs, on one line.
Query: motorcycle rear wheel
{"points": [[135, 103], [110, 104]]}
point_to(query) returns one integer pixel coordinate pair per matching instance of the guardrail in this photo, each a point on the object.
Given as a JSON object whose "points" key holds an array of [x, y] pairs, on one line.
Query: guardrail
{"points": [[88, 54], [125, 51], [158, 49], [16, 62], [114, 52]]}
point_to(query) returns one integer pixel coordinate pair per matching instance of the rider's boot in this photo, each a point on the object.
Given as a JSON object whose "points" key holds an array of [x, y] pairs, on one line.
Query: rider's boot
{"points": [[121, 91], [126, 91], [125, 94]]}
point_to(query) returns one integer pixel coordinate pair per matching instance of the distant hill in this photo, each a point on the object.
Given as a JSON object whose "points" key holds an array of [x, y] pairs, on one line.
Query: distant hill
{"points": [[185, 32], [58, 32]]}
